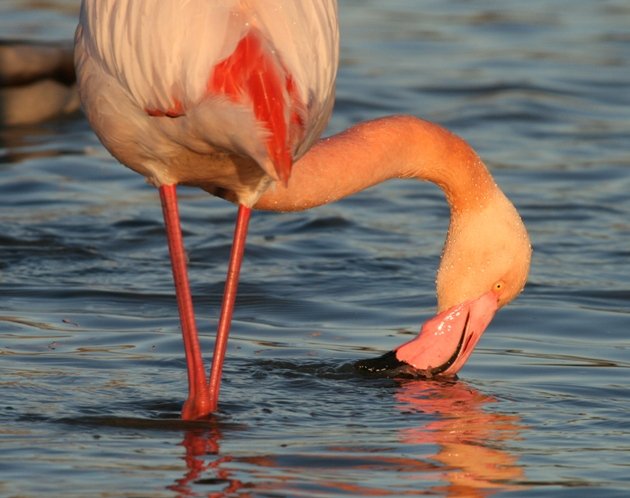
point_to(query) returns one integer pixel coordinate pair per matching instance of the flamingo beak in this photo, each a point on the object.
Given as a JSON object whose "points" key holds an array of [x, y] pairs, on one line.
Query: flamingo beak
{"points": [[444, 343]]}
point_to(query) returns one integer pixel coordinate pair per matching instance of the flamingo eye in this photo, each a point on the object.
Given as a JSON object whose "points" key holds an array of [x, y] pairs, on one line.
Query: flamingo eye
{"points": [[498, 286]]}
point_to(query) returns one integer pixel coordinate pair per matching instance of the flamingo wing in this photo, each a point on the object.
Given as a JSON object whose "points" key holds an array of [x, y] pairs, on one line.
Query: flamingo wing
{"points": [[250, 77]]}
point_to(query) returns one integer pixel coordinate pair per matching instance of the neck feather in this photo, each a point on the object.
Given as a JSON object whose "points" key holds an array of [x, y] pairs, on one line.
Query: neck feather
{"points": [[486, 241], [376, 151]]}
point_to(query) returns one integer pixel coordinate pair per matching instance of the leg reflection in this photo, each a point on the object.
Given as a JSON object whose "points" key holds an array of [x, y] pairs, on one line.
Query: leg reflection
{"points": [[204, 466]]}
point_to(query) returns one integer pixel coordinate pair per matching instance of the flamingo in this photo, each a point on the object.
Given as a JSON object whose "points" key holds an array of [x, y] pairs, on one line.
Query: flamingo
{"points": [[231, 96]]}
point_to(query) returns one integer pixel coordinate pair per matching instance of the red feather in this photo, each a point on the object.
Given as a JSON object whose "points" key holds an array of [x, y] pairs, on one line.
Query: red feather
{"points": [[253, 73]]}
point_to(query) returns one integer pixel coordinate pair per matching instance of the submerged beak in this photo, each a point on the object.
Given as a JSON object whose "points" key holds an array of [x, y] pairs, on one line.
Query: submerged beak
{"points": [[447, 340], [444, 343]]}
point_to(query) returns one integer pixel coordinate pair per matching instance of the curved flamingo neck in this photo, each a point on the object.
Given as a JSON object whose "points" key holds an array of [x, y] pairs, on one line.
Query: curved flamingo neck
{"points": [[376, 151], [487, 243]]}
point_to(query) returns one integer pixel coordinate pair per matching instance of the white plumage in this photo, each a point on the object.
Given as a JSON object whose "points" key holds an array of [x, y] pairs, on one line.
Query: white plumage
{"points": [[135, 58]]}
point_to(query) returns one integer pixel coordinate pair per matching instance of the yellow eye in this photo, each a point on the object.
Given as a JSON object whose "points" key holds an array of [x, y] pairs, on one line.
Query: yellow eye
{"points": [[498, 286]]}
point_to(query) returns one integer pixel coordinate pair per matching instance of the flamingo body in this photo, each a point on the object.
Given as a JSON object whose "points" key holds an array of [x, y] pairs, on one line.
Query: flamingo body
{"points": [[248, 87]]}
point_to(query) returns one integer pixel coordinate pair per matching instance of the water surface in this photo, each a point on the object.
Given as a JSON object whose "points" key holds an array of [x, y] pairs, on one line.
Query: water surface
{"points": [[91, 362]]}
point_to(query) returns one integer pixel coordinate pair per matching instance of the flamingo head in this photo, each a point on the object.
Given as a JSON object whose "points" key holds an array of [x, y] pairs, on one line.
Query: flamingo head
{"points": [[484, 266]]}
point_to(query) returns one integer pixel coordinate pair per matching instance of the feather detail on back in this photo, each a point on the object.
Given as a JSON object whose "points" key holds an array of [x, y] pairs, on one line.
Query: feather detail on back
{"points": [[217, 68], [251, 75]]}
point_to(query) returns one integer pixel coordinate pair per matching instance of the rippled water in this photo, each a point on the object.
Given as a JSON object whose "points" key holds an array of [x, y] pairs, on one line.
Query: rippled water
{"points": [[92, 372]]}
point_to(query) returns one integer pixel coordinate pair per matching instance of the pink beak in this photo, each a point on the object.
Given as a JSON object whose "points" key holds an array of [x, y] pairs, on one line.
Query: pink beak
{"points": [[444, 343]]}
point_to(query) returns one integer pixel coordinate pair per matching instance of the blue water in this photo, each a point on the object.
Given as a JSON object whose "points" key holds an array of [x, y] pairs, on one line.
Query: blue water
{"points": [[92, 370]]}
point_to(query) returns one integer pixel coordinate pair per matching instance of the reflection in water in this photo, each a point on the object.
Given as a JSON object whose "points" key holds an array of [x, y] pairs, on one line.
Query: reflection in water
{"points": [[471, 441], [471, 458], [38, 141], [201, 445]]}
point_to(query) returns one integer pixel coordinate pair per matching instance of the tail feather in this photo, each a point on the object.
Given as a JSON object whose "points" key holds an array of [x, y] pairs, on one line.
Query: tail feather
{"points": [[253, 75]]}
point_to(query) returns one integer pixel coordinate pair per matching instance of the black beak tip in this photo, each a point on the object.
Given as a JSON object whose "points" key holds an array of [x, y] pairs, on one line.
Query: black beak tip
{"points": [[389, 366], [386, 365]]}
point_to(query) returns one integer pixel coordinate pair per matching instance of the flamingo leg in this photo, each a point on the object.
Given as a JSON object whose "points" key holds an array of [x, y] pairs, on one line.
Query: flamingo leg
{"points": [[227, 307], [198, 403]]}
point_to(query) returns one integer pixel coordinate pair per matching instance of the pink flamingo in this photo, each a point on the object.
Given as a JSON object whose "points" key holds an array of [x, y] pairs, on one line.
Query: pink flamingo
{"points": [[229, 95]]}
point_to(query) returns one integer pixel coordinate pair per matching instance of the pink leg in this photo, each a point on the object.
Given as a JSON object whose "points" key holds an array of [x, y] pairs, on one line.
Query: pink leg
{"points": [[198, 403], [227, 308]]}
